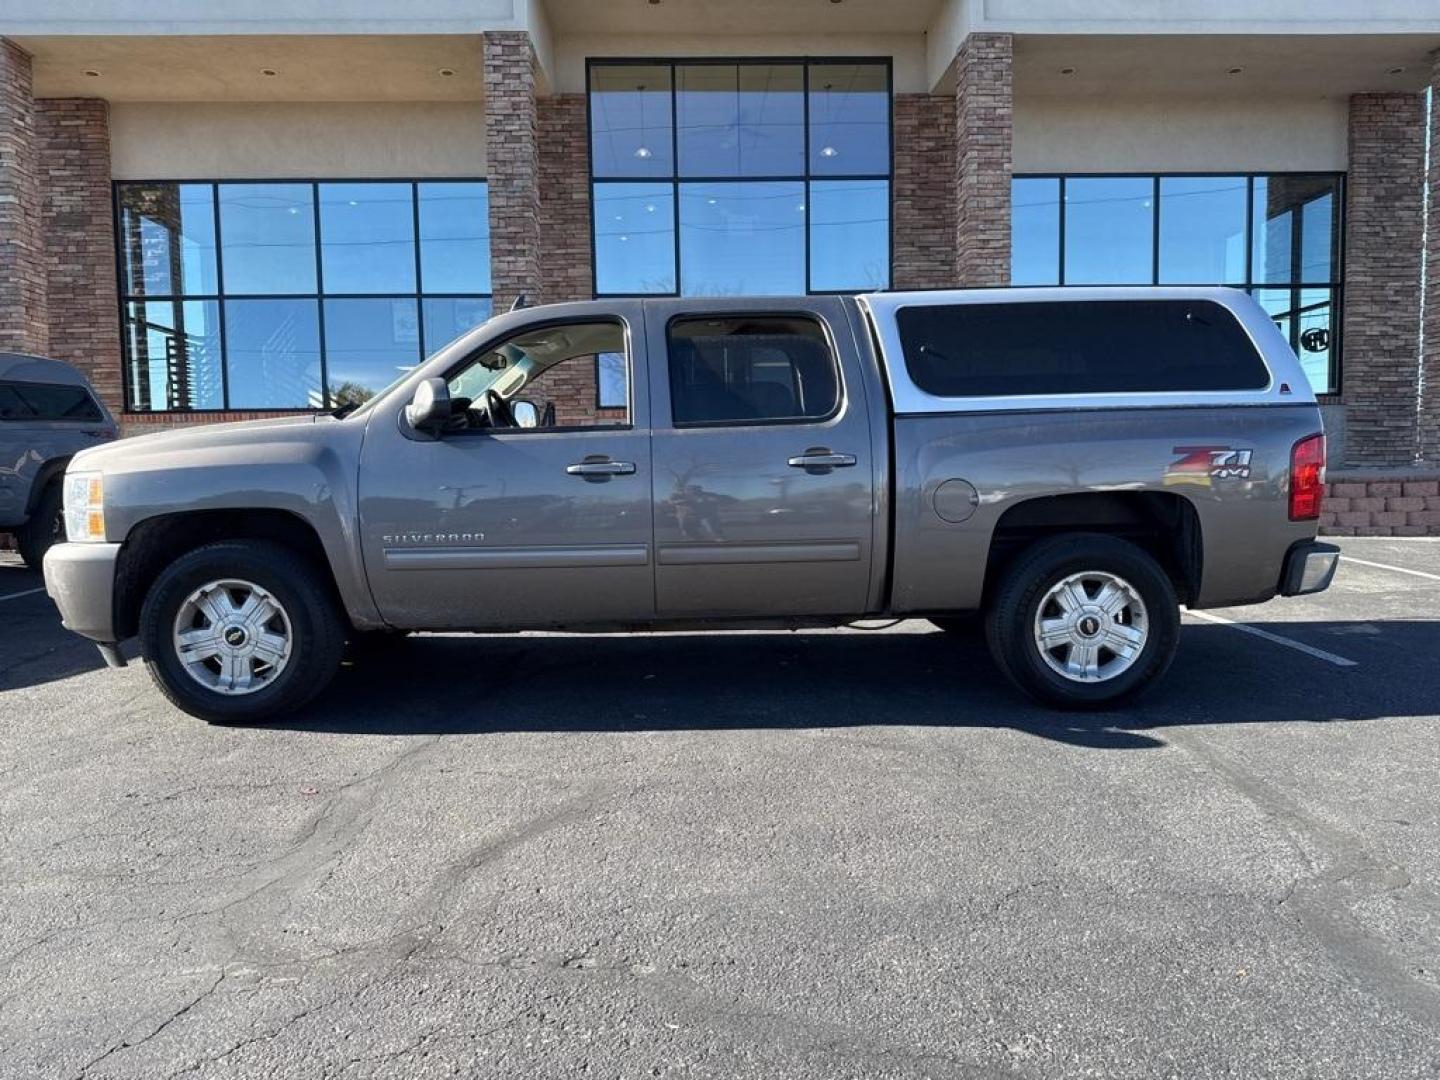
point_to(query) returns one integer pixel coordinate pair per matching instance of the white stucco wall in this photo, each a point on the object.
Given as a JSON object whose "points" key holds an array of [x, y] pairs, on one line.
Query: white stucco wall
{"points": [[1143, 135], [156, 141]]}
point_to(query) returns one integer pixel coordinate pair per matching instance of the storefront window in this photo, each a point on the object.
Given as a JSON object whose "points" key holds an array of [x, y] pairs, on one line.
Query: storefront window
{"points": [[707, 180], [295, 295], [1276, 236]]}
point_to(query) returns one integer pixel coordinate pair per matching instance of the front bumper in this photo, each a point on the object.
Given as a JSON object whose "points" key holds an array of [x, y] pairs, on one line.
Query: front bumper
{"points": [[1309, 568], [80, 578]]}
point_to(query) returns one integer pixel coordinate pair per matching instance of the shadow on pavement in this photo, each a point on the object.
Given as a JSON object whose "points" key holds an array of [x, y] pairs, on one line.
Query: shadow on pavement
{"points": [[458, 685], [34, 647]]}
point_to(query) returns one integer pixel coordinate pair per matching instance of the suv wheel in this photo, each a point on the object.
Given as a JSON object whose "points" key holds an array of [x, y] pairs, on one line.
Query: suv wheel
{"points": [[240, 631], [45, 527], [1084, 621]]}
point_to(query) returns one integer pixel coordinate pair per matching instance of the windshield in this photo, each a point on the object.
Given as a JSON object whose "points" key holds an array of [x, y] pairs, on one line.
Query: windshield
{"points": [[361, 401]]}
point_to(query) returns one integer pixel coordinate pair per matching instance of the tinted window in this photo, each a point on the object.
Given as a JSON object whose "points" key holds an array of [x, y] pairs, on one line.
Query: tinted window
{"points": [[1088, 347], [750, 370], [47, 401]]}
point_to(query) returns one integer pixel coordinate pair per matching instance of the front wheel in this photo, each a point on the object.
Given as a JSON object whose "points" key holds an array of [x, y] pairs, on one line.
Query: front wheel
{"points": [[45, 528], [1084, 621], [240, 631]]}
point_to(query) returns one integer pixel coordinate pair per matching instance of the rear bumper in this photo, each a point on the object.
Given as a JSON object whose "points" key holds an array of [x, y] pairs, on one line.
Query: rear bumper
{"points": [[1309, 568], [80, 578]]}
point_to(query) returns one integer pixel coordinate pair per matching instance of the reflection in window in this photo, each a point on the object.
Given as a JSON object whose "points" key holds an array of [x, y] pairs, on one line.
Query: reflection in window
{"points": [[630, 122], [367, 238], [742, 239], [1287, 223], [1035, 232], [454, 237], [740, 120], [368, 345], [167, 234], [849, 235], [634, 239], [613, 381], [172, 355], [828, 209], [272, 350], [849, 119], [445, 319], [1109, 230], [1202, 230], [268, 238], [385, 293]]}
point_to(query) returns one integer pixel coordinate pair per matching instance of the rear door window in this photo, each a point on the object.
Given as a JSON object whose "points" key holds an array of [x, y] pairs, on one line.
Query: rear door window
{"points": [[1078, 347], [750, 370], [48, 402]]}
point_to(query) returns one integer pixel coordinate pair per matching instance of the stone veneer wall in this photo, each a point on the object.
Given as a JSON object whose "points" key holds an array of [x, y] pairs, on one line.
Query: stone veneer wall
{"points": [[924, 192], [1429, 411], [512, 156], [73, 137], [1384, 222], [984, 158], [1381, 502], [24, 322], [565, 198]]}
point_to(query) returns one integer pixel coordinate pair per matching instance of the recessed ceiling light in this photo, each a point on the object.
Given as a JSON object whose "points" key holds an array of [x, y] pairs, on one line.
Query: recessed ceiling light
{"points": [[268, 72], [446, 72], [643, 152], [1396, 71], [1067, 71], [1235, 71], [829, 151], [92, 73]]}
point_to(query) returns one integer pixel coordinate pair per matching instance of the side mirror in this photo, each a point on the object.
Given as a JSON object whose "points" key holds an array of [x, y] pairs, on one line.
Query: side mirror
{"points": [[429, 409], [525, 413]]}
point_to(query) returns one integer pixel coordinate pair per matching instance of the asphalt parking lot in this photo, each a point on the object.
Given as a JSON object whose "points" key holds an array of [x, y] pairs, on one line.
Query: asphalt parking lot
{"points": [[839, 854]]}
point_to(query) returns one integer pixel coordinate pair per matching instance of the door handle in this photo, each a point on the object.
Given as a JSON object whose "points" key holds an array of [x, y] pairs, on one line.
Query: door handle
{"points": [[601, 468], [822, 459]]}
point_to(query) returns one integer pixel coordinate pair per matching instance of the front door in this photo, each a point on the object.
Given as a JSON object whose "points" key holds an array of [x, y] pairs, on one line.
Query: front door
{"points": [[764, 494], [535, 510]]}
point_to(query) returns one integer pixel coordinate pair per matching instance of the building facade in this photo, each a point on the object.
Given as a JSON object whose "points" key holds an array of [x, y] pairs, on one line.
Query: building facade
{"points": [[224, 212]]}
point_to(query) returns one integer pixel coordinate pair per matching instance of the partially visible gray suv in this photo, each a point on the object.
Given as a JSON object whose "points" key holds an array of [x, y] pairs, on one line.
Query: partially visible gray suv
{"points": [[48, 413]]}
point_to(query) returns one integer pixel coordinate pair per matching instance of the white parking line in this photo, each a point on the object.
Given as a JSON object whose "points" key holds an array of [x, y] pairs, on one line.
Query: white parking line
{"points": [[1299, 646], [27, 592], [1393, 569]]}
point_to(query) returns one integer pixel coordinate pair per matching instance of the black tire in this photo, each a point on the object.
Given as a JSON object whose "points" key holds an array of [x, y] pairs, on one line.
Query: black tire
{"points": [[44, 529], [317, 630], [1010, 619]]}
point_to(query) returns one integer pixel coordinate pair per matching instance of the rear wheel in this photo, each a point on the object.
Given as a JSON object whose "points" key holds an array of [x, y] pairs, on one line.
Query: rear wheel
{"points": [[241, 631], [1084, 621], [45, 528]]}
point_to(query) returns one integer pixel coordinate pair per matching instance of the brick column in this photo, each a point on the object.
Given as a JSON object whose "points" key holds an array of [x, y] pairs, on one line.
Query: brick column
{"points": [[73, 142], [22, 269], [924, 195], [512, 161], [565, 259], [1429, 411], [984, 122], [1382, 277]]}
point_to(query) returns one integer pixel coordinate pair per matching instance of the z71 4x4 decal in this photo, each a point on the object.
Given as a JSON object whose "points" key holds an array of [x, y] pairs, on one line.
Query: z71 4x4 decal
{"points": [[1204, 464]]}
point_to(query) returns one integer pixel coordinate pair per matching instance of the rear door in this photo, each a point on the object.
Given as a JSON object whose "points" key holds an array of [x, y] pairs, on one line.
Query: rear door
{"points": [[763, 469]]}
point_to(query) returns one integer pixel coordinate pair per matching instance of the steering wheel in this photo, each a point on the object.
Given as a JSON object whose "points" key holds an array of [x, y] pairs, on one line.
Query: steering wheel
{"points": [[497, 410]]}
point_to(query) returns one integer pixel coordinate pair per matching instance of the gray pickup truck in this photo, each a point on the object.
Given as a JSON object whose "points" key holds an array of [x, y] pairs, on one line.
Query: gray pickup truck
{"points": [[1072, 464]]}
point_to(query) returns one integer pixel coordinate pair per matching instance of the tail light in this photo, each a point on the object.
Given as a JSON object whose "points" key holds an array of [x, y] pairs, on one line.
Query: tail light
{"points": [[1307, 478]]}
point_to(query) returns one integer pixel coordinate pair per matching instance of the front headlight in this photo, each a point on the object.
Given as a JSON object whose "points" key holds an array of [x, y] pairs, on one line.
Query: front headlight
{"points": [[84, 507]]}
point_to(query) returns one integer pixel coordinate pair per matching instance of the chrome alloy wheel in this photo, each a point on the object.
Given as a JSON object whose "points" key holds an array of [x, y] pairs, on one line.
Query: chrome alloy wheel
{"points": [[1091, 626], [232, 637]]}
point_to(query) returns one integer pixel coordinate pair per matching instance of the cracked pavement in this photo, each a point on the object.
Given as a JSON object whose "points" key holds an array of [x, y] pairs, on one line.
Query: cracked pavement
{"points": [[820, 854]]}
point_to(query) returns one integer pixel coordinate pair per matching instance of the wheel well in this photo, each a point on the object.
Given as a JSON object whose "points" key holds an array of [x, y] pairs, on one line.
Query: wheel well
{"points": [[157, 542], [1164, 524], [52, 472]]}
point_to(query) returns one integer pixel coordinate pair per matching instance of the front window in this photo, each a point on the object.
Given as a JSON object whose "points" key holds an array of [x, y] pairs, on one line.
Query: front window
{"points": [[1276, 236], [740, 179], [293, 295]]}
